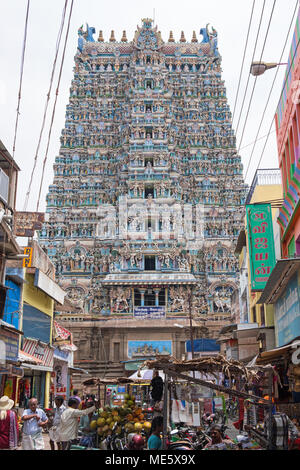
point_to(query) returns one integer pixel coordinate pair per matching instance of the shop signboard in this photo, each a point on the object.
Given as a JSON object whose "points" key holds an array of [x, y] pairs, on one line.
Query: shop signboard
{"points": [[9, 345], [25, 223], [287, 313], [261, 244], [150, 312]]}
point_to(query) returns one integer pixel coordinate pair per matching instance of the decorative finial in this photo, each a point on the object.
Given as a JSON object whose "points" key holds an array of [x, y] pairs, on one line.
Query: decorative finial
{"points": [[182, 38], [194, 38], [124, 38], [101, 38], [171, 37], [112, 37]]}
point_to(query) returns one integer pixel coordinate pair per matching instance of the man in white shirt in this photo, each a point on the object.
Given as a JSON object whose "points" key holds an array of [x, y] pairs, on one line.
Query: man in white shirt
{"points": [[54, 437], [34, 419], [68, 428]]}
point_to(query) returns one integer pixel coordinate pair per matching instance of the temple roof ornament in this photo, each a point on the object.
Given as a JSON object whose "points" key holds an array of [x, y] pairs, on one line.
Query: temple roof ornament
{"points": [[171, 37], [100, 38], [147, 37], [112, 37], [124, 38], [182, 37], [194, 38]]}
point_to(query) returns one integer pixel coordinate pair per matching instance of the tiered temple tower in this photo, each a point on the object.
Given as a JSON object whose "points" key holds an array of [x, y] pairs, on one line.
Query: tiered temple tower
{"points": [[147, 198]]}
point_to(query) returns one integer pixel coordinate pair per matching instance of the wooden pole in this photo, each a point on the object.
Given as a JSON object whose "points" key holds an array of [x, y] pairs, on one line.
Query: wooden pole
{"points": [[165, 412]]}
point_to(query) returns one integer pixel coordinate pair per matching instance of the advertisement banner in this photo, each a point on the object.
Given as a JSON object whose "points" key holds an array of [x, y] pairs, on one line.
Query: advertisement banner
{"points": [[9, 347], [287, 313], [261, 244]]}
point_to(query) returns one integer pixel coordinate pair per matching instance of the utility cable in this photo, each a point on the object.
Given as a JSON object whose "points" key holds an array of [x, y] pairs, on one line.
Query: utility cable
{"points": [[242, 66], [21, 78], [272, 86], [254, 85], [54, 106], [247, 84], [287, 122], [47, 103]]}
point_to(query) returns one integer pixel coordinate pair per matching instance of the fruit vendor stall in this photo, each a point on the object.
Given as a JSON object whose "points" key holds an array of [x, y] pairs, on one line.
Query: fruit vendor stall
{"points": [[119, 416]]}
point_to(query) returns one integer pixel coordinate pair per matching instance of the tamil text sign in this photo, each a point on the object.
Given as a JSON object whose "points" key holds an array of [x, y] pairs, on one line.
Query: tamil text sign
{"points": [[261, 244]]}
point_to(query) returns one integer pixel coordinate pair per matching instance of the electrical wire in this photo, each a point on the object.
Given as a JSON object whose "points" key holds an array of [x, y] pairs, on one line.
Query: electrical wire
{"points": [[47, 102], [247, 84], [242, 66], [21, 77], [54, 106], [287, 122], [272, 87], [254, 85]]}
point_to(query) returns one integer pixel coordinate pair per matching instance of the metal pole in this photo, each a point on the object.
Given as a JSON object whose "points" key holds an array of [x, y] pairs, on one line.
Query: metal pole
{"points": [[165, 412], [191, 323], [270, 444]]}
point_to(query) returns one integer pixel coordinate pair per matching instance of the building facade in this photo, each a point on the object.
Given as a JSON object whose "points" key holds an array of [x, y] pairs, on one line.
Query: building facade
{"points": [[147, 197]]}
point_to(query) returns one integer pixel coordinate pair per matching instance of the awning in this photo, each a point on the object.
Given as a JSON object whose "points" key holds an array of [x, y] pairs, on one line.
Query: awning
{"points": [[279, 278], [272, 354], [25, 357], [126, 279]]}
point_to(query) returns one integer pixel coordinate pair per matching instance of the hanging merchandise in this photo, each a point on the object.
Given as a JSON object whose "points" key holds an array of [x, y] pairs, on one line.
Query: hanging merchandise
{"points": [[182, 411], [175, 411], [196, 414]]}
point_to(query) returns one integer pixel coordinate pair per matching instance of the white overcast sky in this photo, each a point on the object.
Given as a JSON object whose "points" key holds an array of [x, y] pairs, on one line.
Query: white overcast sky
{"points": [[230, 18]]}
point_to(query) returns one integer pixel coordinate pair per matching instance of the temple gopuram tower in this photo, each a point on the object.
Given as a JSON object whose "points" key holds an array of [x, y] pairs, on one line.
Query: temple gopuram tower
{"points": [[147, 198]]}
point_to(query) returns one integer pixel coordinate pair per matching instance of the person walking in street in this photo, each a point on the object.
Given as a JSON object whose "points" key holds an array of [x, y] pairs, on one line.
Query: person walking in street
{"points": [[157, 387], [68, 428], [53, 434], [34, 419], [154, 441], [76, 396], [9, 428], [88, 435], [217, 441]]}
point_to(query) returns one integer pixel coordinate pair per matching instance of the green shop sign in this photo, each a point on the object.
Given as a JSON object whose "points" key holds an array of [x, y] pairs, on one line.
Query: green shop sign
{"points": [[261, 244]]}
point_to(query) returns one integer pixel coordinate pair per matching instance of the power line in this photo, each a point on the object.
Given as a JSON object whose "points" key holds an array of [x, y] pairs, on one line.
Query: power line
{"points": [[21, 78], [47, 102], [287, 122], [254, 85], [272, 86], [247, 84], [242, 66], [54, 106]]}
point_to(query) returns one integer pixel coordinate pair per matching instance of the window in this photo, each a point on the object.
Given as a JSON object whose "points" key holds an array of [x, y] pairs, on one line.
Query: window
{"points": [[148, 108], [149, 84], [116, 352], [262, 315], [149, 298], [254, 314], [148, 59], [149, 263], [137, 298], [149, 190], [148, 160]]}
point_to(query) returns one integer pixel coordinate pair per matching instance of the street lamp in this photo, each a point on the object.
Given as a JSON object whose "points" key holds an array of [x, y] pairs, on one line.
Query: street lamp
{"points": [[258, 68]]}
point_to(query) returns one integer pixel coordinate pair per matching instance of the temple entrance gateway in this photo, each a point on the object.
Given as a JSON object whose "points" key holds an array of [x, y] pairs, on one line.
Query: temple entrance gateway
{"points": [[147, 198]]}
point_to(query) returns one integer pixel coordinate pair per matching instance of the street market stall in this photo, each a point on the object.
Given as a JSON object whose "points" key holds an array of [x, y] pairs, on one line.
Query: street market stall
{"points": [[248, 384], [118, 417]]}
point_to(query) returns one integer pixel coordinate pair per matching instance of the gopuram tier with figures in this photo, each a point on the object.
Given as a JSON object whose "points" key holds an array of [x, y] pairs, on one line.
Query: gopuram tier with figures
{"points": [[147, 198]]}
